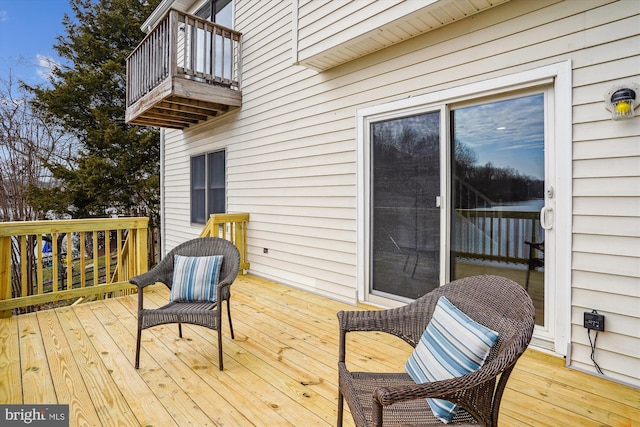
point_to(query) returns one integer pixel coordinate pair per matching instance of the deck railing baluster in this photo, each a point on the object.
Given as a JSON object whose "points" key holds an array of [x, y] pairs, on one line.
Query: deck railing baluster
{"points": [[29, 277], [495, 235]]}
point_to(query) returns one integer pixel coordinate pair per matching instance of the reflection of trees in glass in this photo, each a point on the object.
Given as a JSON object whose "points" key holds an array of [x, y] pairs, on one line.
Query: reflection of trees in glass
{"points": [[483, 185], [509, 137], [406, 161], [406, 164]]}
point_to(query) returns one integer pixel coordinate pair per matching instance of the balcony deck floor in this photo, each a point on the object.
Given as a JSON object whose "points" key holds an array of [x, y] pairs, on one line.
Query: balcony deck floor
{"points": [[280, 370]]}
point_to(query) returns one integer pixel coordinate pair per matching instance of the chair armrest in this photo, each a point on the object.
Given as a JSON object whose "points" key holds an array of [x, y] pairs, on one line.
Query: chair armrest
{"points": [[145, 279], [373, 320], [407, 322], [226, 281], [444, 389]]}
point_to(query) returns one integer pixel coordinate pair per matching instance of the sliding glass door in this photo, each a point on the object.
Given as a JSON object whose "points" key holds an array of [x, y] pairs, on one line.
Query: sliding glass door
{"points": [[495, 192], [498, 192]]}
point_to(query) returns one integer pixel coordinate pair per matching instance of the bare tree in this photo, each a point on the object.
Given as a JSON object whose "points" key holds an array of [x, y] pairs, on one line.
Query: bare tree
{"points": [[27, 145]]}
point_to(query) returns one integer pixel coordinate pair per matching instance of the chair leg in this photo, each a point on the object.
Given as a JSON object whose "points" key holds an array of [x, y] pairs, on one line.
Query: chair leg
{"points": [[229, 315], [138, 348], [220, 348], [340, 407], [180, 330]]}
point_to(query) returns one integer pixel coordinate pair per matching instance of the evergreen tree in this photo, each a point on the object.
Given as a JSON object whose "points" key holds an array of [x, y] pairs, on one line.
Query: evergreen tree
{"points": [[117, 167]]}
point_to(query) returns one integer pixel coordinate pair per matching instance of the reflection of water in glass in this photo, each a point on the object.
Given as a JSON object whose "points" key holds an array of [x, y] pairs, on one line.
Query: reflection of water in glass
{"points": [[533, 205]]}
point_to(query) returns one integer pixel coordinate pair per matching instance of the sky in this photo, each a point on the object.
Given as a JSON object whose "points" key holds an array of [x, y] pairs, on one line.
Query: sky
{"points": [[507, 133], [28, 30]]}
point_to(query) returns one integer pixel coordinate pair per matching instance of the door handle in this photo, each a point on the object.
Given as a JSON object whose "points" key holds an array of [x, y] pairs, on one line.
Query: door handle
{"points": [[544, 222]]}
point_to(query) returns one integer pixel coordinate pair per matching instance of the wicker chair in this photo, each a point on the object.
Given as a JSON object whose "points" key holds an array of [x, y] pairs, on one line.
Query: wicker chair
{"points": [[207, 314], [377, 399], [536, 259]]}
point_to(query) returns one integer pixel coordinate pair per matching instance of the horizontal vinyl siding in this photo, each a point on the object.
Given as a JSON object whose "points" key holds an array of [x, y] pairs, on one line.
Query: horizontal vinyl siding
{"points": [[291, 148], [606, 202]]}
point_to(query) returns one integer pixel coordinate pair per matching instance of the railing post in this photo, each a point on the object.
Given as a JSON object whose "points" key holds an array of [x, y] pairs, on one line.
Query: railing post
{"points": [[141, 252], [5, 272], [241, 241], [173, 43]]}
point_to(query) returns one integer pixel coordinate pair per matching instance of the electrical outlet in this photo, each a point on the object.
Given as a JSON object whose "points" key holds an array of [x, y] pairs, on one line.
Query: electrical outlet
{"points": [[594, 321]]}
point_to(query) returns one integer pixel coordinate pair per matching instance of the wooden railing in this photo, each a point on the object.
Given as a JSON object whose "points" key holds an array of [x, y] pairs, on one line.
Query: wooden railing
{"points": [[183, 45], [496, 235], [44, 262], [232, 227]]}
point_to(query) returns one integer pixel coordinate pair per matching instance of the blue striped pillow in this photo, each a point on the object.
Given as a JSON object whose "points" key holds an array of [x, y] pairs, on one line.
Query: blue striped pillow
{"points": [[195, 278], [452, 345]]}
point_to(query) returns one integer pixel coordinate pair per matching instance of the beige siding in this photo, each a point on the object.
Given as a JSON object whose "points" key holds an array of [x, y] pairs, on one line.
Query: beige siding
{"points": [[291, 148], [606, 204]]}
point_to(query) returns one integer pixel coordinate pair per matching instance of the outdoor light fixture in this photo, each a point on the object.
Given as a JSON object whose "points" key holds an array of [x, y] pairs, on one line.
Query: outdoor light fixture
{"points": [[621, 101]]}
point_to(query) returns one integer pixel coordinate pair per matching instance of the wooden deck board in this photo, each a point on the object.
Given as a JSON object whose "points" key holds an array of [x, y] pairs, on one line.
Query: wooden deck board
{"points": [[10, 378], [67, 379], [279, 371], [37, 383]]}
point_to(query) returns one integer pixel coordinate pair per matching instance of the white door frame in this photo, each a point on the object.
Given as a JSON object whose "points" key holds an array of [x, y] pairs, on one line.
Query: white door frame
{"points": [[557, 336]]}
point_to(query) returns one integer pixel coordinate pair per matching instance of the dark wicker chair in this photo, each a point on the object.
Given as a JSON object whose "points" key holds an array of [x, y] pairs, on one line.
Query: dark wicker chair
{"points": [[377, 399], [536, 259], [207, 314]]}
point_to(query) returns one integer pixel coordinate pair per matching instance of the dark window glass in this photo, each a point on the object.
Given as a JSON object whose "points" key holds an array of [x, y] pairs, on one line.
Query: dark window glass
{"points": [[207, 186], [405, 219], [198, 196], [218, 11], [216, 187]]}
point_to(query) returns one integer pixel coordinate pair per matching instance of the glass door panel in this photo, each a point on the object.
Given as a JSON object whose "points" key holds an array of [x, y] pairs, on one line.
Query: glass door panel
{"points": [[405, 214], [498, 192]]}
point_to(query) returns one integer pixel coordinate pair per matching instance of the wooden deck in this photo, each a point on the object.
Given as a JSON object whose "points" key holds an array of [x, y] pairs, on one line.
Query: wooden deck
{"points": [[279, 371]]}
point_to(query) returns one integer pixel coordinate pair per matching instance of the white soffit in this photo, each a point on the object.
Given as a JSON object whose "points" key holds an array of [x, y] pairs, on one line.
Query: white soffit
{"points": [[161, 9], [327, 53]]}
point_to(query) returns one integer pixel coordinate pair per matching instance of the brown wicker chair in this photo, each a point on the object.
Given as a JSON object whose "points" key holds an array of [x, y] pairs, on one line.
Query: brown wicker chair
{"points": [[207, 314], [377, 399]]}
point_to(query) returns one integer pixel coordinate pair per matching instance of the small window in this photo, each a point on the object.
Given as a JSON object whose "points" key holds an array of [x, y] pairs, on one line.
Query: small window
{"points": [[218, 11], [207, 186]]}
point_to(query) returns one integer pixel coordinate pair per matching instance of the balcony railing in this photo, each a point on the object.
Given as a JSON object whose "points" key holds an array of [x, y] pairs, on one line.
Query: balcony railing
{"points": [[44, 262], [495, 235], [186, 70]]}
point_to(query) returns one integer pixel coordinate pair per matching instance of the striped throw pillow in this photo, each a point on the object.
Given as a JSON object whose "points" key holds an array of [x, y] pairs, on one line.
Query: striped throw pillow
{"points": [[452, 345], [195, 278]]}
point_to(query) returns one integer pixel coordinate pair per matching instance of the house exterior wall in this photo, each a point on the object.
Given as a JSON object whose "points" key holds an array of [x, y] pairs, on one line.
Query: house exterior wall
{"points": [[291, 149], [328, 33]]}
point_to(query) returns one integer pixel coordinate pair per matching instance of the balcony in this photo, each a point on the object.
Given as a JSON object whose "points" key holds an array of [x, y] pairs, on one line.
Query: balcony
{"points": [[186, 70]]}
